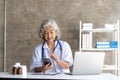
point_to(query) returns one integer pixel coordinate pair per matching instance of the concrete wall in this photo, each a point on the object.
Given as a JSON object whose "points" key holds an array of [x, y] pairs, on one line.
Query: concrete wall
{"points": [[24, 18], [1, 33]]}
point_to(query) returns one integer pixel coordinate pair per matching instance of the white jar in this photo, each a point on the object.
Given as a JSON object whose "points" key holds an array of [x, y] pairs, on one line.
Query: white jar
{"points": [[24, 70]]}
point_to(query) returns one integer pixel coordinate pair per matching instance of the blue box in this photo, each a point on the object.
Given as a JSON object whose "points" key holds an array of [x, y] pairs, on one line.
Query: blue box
{"points": [[113, 44]]}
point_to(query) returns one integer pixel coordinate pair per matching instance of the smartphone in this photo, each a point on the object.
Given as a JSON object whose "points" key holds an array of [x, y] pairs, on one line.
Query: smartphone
{"points": [[46, 61]]}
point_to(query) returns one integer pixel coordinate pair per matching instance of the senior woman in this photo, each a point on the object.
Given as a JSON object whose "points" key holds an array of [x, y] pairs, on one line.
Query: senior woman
{"points": [[58, 51]]}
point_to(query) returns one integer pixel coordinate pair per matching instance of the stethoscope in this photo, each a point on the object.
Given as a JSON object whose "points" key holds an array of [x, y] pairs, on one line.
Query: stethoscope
{"points": [[58, 43]]}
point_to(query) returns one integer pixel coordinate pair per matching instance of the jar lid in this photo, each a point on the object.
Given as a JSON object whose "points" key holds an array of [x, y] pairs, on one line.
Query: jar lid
{"points": [[18, 64], [14, 65]]}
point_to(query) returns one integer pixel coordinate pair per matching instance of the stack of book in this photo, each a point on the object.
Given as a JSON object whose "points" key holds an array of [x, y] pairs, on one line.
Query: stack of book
{"points": [[86, 40], [107, 44], [87, 26], [103, 44]]}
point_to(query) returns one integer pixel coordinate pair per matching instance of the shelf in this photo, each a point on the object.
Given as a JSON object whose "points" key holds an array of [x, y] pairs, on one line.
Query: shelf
{"points": [[99, 49], [99, 30], [86, 36]]}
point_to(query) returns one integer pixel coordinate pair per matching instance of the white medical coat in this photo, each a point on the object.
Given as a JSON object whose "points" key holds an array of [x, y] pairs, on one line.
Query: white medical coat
{"points": [[65, 54]]}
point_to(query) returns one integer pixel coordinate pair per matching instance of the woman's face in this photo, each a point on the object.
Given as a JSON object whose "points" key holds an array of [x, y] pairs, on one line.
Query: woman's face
{"points": [[49, 34]]}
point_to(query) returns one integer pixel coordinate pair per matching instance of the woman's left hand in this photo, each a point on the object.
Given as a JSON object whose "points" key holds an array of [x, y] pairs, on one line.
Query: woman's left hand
{"points": [[54, 56], [63, 64]]}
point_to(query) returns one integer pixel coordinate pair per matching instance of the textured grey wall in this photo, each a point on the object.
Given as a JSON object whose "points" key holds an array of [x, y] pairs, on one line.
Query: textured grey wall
{"points": [[1, 33], [24, 18]]}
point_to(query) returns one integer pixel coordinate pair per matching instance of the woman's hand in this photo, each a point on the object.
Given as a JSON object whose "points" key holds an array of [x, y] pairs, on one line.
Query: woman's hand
{"points": [[63, 64], [47, 66], [43, 68], [54, 56]]}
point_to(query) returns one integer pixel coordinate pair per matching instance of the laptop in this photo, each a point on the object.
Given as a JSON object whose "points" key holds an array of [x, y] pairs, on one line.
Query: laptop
{"points": [[88, 63]]}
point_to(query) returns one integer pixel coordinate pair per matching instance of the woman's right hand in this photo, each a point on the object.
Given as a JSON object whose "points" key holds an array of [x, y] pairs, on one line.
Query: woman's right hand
{"points": [[47, 66], [43, 68]]}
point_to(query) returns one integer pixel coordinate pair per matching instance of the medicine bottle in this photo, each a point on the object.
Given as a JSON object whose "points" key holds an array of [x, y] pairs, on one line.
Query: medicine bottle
{"points": [[24, 70], [19, 70], [14, 70]]}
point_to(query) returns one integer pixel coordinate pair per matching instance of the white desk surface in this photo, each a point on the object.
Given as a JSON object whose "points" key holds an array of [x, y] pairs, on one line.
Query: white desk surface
{"points": [[104, 76]]}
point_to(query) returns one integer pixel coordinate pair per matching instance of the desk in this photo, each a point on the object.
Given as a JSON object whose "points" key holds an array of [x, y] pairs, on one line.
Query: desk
{"points": [[104, 76]]}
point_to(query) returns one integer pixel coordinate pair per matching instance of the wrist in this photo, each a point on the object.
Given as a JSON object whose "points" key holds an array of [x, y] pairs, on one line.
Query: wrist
{"points": [[42, 68], [57, 60]]}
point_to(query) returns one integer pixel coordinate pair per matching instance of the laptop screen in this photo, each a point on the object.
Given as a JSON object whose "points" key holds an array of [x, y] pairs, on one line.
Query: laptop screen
{"points": [[88, 62]]}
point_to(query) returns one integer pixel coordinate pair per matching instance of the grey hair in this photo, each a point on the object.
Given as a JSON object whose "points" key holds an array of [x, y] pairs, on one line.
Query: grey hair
{"points": [[52, 23]]}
